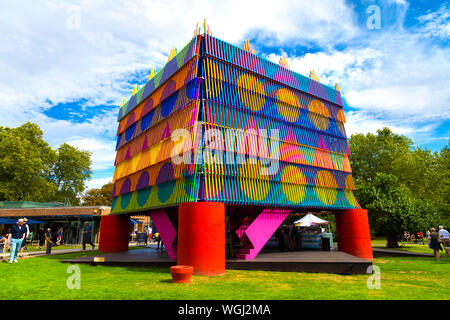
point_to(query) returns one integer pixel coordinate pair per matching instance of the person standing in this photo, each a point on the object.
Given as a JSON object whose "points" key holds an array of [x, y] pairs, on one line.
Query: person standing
{"points": [[25, 220], [16, 236], [41, 235], [48, 241], [3, 242], [434, 243], [445, 237], [279, 237], [87, 234], [149, 235], [419, 237], [159, 243]]}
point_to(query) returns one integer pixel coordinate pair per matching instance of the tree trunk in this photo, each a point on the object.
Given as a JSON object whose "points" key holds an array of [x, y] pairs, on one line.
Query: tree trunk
{"points": [[392, 242]]}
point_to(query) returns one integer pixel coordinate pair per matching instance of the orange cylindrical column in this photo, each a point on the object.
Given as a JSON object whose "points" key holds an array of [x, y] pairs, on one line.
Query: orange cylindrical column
{"points": [[352, 226], [201, 237], [114, 231]]}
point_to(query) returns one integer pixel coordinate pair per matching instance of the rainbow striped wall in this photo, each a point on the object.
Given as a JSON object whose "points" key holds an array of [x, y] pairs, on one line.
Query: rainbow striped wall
{"points": [[213, 85]]}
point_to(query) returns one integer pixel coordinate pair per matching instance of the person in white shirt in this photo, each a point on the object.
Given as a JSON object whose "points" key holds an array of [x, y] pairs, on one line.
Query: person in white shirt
{"points": [[445, 237], [149, 235]]}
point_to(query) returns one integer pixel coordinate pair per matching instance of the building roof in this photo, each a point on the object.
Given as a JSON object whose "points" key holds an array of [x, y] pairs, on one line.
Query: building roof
{"points": [[28, 204], [55, 211]]}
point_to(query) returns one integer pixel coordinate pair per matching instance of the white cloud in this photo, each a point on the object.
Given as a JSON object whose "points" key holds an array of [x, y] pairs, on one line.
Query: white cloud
{"points": [[97, 183], [399, 76], [45, 60], [103, 152], [437, 23]]}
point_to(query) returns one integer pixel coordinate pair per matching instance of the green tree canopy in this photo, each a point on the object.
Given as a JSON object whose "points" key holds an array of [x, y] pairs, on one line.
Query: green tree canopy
{"points": [[99, 197], [30, 170], [404, 188], [70, 171]]}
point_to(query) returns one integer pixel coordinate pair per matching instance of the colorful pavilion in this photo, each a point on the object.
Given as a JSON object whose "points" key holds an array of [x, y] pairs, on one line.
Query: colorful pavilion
{"points": [[219, 134]]}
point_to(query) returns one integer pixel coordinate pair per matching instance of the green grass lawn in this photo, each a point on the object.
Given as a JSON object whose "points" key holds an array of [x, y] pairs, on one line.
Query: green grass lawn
{"points": [[45, 278]]}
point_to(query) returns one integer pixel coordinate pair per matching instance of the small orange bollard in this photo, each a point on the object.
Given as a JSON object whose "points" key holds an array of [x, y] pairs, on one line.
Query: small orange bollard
{"points": [[181, 274]]}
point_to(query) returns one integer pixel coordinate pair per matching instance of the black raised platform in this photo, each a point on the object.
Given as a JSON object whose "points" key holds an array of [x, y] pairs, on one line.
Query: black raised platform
{"points": [[293, 261]]}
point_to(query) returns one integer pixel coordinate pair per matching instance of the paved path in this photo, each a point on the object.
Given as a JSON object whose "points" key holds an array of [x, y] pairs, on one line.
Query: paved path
{"points": [[30, 254], [42, 253], [378, 252]]}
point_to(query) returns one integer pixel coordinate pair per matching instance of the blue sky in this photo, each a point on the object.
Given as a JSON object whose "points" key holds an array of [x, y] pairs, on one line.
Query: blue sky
{"points": [[66, 64]]}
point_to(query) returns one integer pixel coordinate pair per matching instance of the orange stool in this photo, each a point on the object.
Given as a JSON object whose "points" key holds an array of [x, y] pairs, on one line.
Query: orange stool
{"points": [[181, 274]]}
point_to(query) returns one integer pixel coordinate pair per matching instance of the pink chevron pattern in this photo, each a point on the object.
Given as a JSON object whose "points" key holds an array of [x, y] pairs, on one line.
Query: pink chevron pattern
{"points": [[166, 231], [256, 233]]}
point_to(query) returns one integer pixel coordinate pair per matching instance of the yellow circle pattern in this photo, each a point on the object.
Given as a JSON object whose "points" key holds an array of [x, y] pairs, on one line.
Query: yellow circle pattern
{"points": [[293, 184], [253, 183], [251, 92], [341, 120], [288, 105], [349, 186], [326, 187], [318, 114]]}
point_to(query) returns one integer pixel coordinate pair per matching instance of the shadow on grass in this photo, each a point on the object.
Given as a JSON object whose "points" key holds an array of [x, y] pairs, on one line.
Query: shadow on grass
{"points": [[134, 268], [153, 269], [166, 281]]}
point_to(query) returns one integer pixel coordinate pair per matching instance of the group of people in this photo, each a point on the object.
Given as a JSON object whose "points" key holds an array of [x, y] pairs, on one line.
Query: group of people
{"points": [[46, 237], [411, 237], [49, 239], [436, 240], [288, 237], [439, 239], [16, 237], [149, 236]]}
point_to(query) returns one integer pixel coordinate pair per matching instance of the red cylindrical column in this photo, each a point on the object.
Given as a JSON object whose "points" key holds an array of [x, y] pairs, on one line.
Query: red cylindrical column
{"points": [[352, 226], [114, 232], [201, 237]]}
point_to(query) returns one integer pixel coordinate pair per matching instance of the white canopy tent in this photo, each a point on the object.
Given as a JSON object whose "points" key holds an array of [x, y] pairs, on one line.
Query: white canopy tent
{"points": [[310, 220]]}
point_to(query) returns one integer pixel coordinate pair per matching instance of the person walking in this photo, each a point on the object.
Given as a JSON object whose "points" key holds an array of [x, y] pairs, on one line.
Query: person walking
{"points": [[445, 238], [48, 241], [434, 243], [16, 236], [87, 234], [25, 220], [59, 236]]}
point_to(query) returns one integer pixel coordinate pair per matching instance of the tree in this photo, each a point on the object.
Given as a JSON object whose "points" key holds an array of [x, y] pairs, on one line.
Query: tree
{"points": [[403, 187], [393, 209], [371, 154], [70, 171], [30, 170], [25, 163], [99, 197]]}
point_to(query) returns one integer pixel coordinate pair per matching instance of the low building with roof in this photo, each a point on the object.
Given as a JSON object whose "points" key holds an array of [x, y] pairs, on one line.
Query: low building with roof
{"points": [[54, 215]]}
